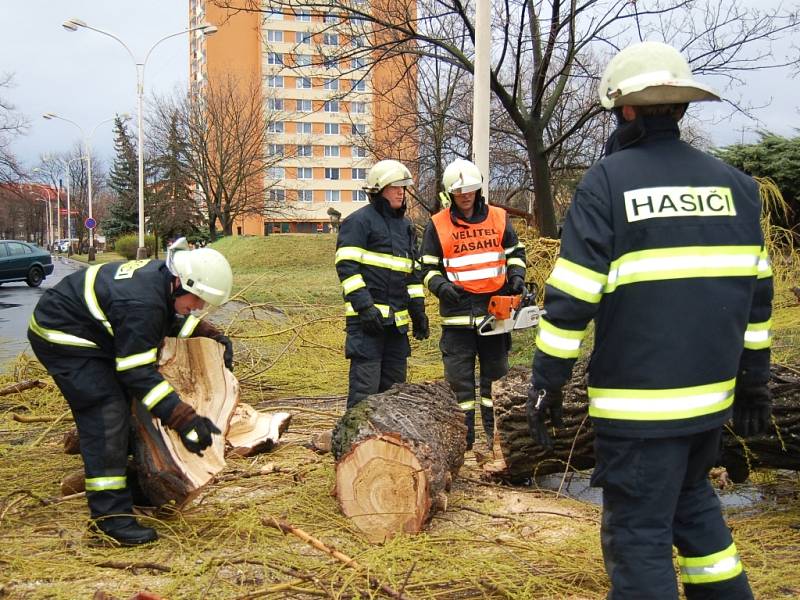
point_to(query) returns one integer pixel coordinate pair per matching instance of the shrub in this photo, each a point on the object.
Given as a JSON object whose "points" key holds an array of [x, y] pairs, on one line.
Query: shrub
{"points": [[127, 245]]}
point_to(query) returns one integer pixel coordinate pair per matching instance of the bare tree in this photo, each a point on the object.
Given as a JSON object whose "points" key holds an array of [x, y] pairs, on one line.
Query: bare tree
{"points": [[546, 51], [12, 124]]}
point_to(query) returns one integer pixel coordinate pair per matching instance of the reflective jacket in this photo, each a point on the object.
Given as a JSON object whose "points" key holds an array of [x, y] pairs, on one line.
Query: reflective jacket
{"points": [[662, 247], [375, 262], [441, 263], [118, 311]]}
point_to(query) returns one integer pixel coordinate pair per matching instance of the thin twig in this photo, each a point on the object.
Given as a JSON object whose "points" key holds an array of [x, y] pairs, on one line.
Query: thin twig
{"points": [[569, 457], [49, 429], [22, 386]]}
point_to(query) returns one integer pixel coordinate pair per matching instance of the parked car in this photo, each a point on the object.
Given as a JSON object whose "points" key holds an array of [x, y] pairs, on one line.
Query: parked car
{"points": [[21, 261]]}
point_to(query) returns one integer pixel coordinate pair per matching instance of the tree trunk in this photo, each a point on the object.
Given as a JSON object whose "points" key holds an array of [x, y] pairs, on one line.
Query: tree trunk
{"points": [[518, 458], [397, 453], [168, 472], [544, 205]]}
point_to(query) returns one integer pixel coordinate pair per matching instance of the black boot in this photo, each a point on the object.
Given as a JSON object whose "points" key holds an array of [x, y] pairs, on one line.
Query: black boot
{"points": [[125, 531], [469, 419], [487, 418]]}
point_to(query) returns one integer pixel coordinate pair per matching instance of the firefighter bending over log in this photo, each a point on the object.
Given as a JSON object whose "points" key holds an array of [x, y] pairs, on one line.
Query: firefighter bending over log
{"points": [[98, 332]]}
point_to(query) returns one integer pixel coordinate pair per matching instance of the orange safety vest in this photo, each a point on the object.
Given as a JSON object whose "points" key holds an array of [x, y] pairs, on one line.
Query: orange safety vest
{"points": [[473, 253]]}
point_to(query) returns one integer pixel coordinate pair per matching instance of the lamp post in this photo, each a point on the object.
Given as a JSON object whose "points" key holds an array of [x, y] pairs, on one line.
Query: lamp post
{"points": [[49, 219], [87, 140], [58, 204], [68, 178], [207, 29]]}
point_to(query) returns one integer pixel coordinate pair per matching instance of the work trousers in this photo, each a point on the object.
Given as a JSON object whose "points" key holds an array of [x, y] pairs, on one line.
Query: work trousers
{"points": [[102, 413], [376, 361], [656, 494], [460, 346]]}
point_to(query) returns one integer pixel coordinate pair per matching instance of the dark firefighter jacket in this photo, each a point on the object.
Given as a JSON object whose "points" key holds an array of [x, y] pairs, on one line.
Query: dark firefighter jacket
{"points": [[376, 264], [662, 248], [472, 307], [119, 311]]}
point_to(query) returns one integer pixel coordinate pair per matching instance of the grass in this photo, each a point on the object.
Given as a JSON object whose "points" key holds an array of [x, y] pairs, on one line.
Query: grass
{"points": [[100, 258]]}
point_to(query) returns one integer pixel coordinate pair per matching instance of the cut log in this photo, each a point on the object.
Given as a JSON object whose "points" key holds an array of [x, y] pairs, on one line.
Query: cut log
{"points": [[168, 472], [396, 454], [252, 432], [518, 457]]}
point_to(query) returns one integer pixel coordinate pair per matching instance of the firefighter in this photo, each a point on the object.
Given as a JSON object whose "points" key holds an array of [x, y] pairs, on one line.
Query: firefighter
{"points": [[375, 261], [662, 248], [98, 332], [470, 252]]}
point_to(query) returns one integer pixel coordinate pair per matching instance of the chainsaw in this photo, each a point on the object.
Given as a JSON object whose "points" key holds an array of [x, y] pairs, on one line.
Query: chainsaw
{"points": [[507, 313]]}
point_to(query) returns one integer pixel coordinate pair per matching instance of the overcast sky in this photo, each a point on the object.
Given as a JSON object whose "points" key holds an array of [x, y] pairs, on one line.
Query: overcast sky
{"points": [[88, 77]]}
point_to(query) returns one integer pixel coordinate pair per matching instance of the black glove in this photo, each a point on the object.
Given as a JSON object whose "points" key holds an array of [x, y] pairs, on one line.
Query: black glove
{"points": [[752, 410], [540, 404], [207, 330], [196, 434], [516, 285], [371, 320], [421, 329], [450, 293]]}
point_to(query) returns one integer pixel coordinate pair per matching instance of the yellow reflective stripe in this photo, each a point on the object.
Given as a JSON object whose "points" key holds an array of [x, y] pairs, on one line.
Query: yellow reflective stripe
{"points": [[58, 337], [353, 283], [444, 199], [467, 405], [486, 401], [91, 298], [758, 335], [401, 318], [511, 249], [465, 320], [157, 394], [125, 363], [518, 262], [415, 290], [681, 263], [375, 259], [431, 275], [351, 312], [430, 259], [101, 484], [577, 281], [764, 266], [563, 343], [719, 566], [661, 405], [189, 326]]}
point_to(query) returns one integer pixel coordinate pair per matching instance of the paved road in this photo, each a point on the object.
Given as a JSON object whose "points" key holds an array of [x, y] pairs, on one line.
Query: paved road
{"points": [[16, 305]]}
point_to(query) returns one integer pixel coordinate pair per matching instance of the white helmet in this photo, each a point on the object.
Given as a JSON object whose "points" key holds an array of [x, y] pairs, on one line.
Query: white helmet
{"points": [[203, 272], [650, 73], [387, 172], [461, 176]]}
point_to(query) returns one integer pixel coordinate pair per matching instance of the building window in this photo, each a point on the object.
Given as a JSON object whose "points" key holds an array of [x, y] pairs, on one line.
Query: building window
{"points": [[359, 41], [304, 150], [303, 37], [331, 172], [330, 62], [274, 149], [305, 173], [358, 129], [274, 81], [358, 108], [359, 152], [331, 84], [304, 128], [273, 15], [303, 17], [304, 106], [304, 83], [330, 39], [358, 62], [359, 173], [331, 195], [332, 106], [330, 19], [305, 195], [275, 127], [274, 35], [359, 85], [275, 173], [274, 58], [302, 60], [275, 103], [277, 196], [331, 129], [359, 196], [331, 151]]}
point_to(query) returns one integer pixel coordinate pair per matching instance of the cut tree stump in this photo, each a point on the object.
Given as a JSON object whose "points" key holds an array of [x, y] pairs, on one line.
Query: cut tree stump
{"points": [[396, 454], [168, 472], [252, 432], [518, 457]]}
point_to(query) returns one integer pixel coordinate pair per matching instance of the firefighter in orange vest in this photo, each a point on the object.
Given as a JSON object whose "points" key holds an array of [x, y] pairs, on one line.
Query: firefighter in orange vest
{"points": [[470, 252]]}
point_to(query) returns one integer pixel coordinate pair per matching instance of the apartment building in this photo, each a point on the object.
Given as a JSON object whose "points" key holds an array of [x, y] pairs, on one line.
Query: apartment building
{"points": [[331, 113]]}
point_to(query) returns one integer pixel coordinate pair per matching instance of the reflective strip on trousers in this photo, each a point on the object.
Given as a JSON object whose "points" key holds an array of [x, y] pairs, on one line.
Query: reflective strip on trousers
{"points": [[374, 259], [125, 363], [719, 566], [562, 343], [458, 321], [415, 290], [353, 283], [764, 267], [400, 317], [467, 405], [157, 394], [91, 298], [660, 405], [189, 326], [486, 402], [758, 335], [102, 484], [59, 337]]}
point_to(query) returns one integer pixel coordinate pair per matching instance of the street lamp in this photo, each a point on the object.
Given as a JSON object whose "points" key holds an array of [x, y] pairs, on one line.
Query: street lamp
{"points": [[68, 178], [88, 149], [58, 204], [49, 219], [206, 29]]}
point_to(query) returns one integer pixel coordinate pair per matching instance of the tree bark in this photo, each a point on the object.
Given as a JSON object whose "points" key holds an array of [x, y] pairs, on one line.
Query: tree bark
{"points": [[518, 457], [397, 453]]}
